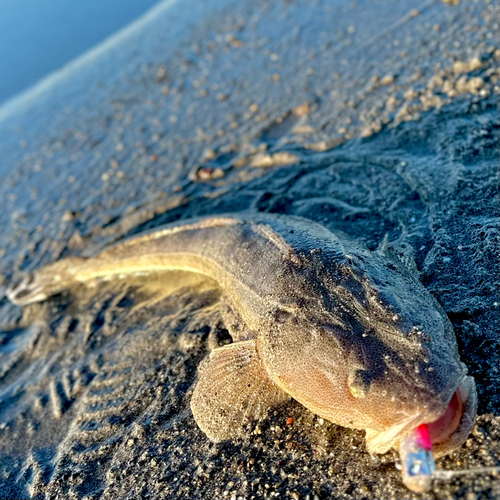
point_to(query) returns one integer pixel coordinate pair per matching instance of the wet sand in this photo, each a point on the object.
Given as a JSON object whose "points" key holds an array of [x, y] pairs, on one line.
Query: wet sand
{"points": [[370, 118]]}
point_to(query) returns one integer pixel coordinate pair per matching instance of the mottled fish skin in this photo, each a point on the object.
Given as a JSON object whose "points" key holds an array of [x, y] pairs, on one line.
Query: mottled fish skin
{"points": [[351, 334]]}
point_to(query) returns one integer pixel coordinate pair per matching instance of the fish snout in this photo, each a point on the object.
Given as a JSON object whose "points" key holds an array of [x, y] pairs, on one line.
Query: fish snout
{"points": [[449, 422]]}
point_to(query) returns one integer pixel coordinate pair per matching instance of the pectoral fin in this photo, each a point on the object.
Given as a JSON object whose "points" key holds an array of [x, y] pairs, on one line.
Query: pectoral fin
{"points": [[233, 389]]}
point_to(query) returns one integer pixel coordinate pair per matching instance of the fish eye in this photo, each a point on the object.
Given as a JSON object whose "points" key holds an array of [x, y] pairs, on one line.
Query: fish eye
{"points": [[359, 383]]}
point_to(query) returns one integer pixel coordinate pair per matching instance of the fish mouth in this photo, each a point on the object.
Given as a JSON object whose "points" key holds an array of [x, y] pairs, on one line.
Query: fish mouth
{"points": [[452, 428], [447, 432]]}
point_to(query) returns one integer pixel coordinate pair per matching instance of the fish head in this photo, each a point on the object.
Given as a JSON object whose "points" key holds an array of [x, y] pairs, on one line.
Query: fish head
{"points": [[375, 351]]}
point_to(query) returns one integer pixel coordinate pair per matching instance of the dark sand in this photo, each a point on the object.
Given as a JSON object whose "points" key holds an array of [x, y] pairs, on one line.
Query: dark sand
{"points": [[200, 111]]}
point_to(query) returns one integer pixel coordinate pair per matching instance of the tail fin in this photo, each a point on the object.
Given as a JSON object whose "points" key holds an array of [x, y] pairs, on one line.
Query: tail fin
{"points": [[47, 281]]}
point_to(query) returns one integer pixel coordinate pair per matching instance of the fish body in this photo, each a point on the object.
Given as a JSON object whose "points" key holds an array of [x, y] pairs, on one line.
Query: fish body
{"points": [[351, 334]]}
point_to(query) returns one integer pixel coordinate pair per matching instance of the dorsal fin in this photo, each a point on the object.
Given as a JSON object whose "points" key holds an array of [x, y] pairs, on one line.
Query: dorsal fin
{"points": [[400, 252]]}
